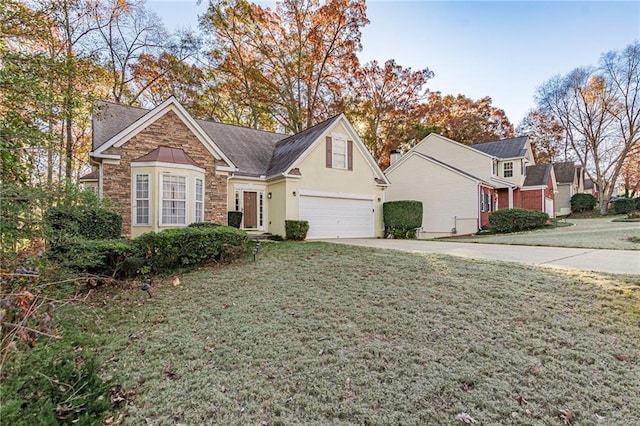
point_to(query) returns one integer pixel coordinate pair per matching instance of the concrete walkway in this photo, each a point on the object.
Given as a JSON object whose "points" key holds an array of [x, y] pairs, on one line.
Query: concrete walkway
{"points": [[612, 261]]}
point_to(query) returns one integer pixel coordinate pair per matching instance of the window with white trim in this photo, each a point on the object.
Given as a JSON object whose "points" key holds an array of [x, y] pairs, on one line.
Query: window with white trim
{"points": [[199, 201], [141, 200], [174, 200], [339, 153], [508, 169], [495, 167]]}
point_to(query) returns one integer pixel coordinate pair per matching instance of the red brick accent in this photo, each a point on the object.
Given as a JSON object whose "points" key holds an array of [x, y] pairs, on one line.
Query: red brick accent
{"points": [[168, 130]]}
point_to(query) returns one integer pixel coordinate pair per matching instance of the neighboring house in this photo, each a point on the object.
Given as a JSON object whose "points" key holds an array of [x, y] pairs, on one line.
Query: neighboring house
{"points": [[460, 185], [166, 169], [568, 177]]}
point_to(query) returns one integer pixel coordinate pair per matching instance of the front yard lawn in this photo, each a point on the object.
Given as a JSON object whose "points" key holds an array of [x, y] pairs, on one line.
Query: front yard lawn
{"points": [[315, 333], [598, 233]]}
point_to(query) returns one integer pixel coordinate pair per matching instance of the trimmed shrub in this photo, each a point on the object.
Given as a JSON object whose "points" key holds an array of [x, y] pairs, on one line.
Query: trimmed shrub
{"points": [[91, 223], [623, 205], [180, 247], [99, 257], [234, 219], [296, 229], [583, 202], [203, 225], [637, 200], [513, 220], [402, 218]]}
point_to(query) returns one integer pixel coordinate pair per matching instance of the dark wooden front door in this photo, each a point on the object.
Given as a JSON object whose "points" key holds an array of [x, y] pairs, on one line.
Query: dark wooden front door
{"points": [[250, 209]]}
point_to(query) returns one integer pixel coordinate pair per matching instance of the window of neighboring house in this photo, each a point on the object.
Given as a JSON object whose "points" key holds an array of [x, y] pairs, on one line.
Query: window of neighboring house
{"points": [[495, 167], [481, 201], [199, 201], [174, 200], [508, 169], [487, 201], [522, 167], [339, 152], [141, 200], [237, 204]]}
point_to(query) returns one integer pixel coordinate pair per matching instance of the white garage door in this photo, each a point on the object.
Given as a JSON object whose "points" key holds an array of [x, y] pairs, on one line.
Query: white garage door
{"points": [[330, 217]]}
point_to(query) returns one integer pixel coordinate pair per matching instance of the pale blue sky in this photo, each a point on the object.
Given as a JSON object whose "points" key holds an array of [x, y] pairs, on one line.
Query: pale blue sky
{"points": [[502, 49]]}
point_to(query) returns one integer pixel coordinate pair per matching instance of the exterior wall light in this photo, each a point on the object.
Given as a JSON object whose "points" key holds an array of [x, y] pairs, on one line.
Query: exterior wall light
{"points": [[269, 195], [294, 193]]}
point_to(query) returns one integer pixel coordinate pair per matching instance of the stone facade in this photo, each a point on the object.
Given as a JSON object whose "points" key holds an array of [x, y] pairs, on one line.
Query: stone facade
{"points": [[169, 130]]}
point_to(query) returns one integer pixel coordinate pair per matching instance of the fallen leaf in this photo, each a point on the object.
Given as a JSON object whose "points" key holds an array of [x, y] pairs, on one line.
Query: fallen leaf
{"points": [[108, 421], [176, 281], [567, 416], [464, 417], [621, 357], [521, 400]]}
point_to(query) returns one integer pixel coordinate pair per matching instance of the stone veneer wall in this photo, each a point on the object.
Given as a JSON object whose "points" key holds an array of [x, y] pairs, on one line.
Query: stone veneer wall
{"points": [[169, 131]]}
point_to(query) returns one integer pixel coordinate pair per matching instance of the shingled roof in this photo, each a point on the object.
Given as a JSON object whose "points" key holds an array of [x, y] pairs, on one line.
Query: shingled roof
{"points": [[538, 175], [254, 152], [109, 119], [565, 172], [250, 150], [505, 148], [288, 150]]}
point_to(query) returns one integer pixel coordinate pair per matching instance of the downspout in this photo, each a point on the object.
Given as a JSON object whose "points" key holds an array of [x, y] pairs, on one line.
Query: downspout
{"points": [[511, 197]]}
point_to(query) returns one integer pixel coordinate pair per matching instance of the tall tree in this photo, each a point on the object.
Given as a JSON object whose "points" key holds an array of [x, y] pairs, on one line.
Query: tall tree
{"points": [[129, 36], [386, 106], [599, 110], [289, 63], [546, 136], [26, 95], [465, 120]]}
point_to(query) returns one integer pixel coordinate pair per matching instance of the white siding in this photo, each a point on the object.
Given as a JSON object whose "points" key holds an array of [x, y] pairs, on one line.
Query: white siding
{"points": [[445, 194], [458, 155]]}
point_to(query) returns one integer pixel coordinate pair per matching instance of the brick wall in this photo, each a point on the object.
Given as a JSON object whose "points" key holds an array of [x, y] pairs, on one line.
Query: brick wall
{"points": [[532, 200], [169, 131]]}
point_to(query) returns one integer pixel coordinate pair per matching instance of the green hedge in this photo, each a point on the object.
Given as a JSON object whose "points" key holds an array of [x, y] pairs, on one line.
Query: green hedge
{"points": [[402, 218], [152, 252], [91, 223], [583, 202], [296, 229], [513, 220], [623, 205], [99, 257], [234, 219], [179, 247]]}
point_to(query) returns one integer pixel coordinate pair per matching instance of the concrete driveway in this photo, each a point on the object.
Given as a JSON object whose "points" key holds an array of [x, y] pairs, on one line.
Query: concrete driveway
{"points": [[612, 261]]}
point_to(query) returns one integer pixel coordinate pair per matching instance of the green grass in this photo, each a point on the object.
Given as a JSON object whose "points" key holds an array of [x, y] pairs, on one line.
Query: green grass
{"points": [[598, 233], [317, 333]]}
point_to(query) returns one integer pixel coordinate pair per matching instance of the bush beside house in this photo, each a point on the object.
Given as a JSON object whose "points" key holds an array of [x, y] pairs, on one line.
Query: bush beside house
{"points": [[583, 202], [513, 220], [296, 229], [88, 240], [402, 218]]}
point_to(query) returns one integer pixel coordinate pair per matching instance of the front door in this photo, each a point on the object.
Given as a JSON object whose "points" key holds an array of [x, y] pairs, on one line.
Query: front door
{"points": [[250, 209]]}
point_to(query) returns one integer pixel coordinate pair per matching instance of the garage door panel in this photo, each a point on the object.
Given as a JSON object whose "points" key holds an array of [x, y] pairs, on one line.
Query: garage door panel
{"points": [[337, 217]]}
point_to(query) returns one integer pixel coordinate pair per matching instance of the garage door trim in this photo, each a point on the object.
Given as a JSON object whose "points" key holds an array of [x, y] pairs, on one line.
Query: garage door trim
{"points": [[344, 195]]}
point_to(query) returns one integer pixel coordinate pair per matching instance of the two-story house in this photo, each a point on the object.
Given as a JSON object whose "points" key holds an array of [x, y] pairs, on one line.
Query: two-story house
{"points": [[460, 185]]}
